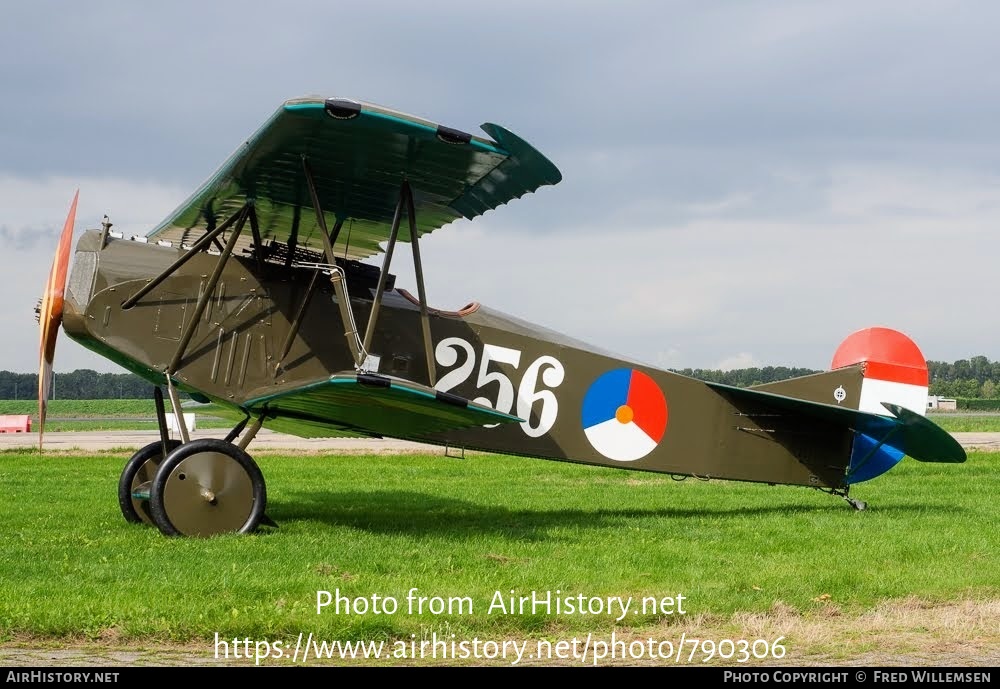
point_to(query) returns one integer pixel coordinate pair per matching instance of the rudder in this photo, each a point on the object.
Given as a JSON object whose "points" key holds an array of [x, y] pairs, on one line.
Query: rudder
{"points": [[870, 367], [893, 366], [894, 371]]}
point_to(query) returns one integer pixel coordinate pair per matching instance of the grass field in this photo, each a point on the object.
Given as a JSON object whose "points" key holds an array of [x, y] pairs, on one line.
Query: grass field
{"points": [[467, 533], [971, 423], [82, 408], [103, 415]]}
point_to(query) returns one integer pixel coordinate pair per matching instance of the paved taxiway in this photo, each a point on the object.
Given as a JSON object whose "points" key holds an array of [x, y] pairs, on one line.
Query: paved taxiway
{"points": [[270, 441], [266, 441]]}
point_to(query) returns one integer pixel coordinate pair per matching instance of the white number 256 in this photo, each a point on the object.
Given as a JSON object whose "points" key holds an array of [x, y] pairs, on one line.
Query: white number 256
{"points": [[528, 394]]}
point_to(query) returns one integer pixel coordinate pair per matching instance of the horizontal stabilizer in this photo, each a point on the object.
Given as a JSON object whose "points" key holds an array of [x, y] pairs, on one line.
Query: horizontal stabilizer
{"points": [[931, 443], [376, 405], [906, 431]]}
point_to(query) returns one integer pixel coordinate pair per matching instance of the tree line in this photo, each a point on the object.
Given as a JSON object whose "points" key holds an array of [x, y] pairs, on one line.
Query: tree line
{"points": [[975, 378], [82, 384]]}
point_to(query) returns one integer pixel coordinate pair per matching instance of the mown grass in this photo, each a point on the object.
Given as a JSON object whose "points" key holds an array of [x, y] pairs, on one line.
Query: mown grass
{"points": [[972, 423], [81, 408], [119, 414], [105, 415], [467, 529]]}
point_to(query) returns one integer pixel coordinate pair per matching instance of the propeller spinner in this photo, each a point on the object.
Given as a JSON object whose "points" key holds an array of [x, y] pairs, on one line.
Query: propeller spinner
{"points": [[50, 311]]}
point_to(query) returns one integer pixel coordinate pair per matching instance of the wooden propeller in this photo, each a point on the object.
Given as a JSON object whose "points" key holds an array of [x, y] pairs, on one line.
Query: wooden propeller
{"points": [[50, 313]]}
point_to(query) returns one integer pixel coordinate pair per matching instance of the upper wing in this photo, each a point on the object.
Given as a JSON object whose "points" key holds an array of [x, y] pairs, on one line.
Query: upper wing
{"points": [[359, 154]]}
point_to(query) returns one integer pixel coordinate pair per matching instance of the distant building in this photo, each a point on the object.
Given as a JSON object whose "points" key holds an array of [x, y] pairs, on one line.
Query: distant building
{"points": [[941, 403]]}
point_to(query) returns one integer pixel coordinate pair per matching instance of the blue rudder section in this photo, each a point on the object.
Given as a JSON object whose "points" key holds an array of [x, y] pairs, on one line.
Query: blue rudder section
{"points": [[869, 460]]}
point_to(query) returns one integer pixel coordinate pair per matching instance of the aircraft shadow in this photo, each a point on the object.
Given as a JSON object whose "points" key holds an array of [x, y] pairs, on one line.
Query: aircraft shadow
{"points": [[419, 513]]}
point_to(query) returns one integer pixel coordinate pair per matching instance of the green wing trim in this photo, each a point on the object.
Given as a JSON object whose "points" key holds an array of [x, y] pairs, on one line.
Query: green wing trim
{"points": [[359, 154], [373, 405], [913, 434]]}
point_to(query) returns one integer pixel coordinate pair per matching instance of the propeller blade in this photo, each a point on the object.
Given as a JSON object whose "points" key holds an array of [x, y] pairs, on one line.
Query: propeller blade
{"points": [[50, 313]]}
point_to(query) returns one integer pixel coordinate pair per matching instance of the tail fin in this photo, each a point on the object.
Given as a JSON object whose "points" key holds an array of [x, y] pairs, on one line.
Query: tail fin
{"points": [[894, 369], [878, 388], [894, 373]]}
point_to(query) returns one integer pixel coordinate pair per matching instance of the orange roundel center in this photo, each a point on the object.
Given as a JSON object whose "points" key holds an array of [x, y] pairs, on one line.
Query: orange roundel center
{"points": [[624, 414]]}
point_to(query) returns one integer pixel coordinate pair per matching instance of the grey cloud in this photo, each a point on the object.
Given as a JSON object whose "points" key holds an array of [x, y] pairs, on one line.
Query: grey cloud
{"points": [[27, 238], [132, 86], [734, 121]]}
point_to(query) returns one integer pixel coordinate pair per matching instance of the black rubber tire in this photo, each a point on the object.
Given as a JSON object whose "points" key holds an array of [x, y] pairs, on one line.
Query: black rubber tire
{"points": [[135, 511], [172, 470]]}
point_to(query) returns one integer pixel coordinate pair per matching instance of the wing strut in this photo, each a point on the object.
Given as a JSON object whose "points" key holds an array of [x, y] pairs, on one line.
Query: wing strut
{"points": [[405, 196], [258, 245], [175, 403], [425, 323], [360, 349], [195, 248], [206, 295], [293, 236], [337, 277], [339, 281], [377, 302], [306, 298], [320, 217]]}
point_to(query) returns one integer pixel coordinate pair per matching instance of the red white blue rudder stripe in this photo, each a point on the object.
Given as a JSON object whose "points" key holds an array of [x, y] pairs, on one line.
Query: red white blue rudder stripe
{"points": [[894, 371], [624, 414]]}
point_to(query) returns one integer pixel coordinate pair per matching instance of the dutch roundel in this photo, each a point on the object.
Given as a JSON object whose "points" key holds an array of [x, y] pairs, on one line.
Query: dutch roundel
{"points": [[624, 414]]}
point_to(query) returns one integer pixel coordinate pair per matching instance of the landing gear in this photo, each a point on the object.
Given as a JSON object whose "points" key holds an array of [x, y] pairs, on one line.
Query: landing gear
{"points": [[207, 487], [859, 505], [202, 487], [137, 478]]}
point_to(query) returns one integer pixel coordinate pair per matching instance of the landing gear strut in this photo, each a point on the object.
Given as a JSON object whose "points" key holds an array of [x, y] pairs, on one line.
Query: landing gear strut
{"points": [[202, 487], [858, 505]]}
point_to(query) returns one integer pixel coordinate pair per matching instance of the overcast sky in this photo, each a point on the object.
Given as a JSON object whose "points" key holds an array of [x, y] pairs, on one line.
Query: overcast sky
{"points": [[744, 183]]}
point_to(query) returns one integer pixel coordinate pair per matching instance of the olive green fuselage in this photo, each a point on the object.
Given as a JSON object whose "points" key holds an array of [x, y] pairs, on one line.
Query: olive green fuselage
{"points": [[566, 392]]}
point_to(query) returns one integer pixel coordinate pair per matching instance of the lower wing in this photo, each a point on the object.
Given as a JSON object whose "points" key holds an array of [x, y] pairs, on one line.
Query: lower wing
{"points": [[367, 404]]}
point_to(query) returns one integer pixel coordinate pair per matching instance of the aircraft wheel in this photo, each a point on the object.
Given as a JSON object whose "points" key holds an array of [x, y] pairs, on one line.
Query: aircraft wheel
{"points": [[139, 470], [207, 487]]}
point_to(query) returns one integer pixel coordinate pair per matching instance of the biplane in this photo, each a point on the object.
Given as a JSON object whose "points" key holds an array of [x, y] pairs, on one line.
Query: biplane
{"points": [[255, 295]]}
